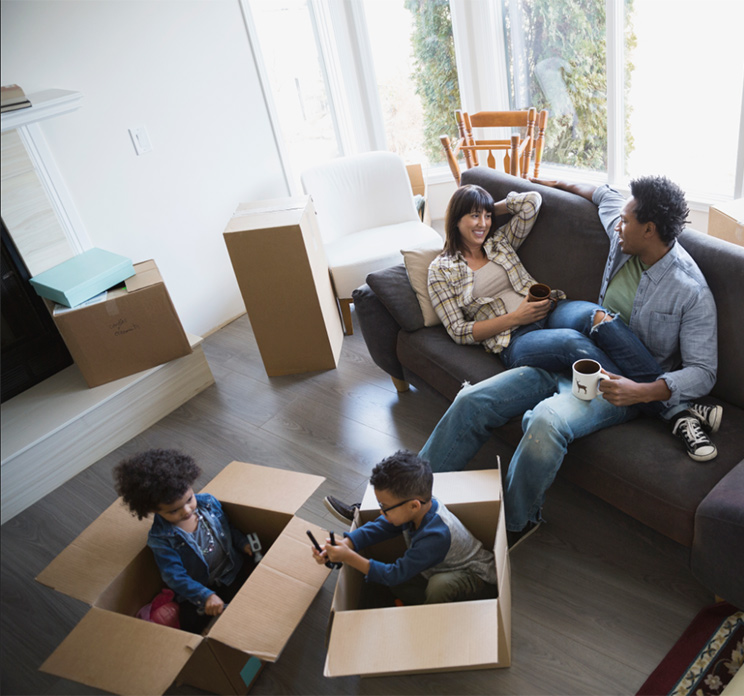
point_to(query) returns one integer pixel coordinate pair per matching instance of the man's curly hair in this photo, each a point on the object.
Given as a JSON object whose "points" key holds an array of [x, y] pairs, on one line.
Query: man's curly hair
{"points": [[154, 478], [405, 475], [662, 202]]}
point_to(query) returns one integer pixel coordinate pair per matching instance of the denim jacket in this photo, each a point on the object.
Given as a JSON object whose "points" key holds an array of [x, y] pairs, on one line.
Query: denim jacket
{"points": [[181, 562], [674, 312]]}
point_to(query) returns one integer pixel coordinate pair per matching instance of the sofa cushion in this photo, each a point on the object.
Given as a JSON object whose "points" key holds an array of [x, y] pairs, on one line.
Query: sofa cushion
{"points": [[417, 263], [394, 290]]}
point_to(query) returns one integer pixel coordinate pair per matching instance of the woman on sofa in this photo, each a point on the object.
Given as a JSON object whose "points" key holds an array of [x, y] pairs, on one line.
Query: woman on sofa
{"points": [[478, 287]]}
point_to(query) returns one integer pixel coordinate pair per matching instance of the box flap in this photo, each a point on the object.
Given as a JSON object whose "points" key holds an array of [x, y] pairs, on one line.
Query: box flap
{"points": [[92, 561], [145, 274], [400, 640], [136, 657], [265, 613], [263, 487], [454, 488]]}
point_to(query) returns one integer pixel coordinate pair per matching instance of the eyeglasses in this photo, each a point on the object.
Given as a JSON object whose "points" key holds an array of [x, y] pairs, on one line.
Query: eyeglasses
{"points": [[385, 510]]}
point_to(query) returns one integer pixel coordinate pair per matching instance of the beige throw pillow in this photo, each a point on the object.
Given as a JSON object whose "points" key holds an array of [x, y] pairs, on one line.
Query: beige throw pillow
{"points": [[417, 263]]}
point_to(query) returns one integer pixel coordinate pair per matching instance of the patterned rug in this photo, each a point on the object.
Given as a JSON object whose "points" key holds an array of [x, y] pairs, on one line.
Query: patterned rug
{"points": [[705, 659]]}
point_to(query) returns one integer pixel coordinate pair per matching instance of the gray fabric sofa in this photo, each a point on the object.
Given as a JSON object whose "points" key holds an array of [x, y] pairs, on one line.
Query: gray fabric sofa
{"points": [[638, 467]]}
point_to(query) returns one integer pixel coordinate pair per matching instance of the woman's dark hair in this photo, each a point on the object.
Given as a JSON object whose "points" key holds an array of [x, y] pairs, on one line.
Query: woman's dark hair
{"points": [[405, 475], [662, 202], [467, 199], [154, 478]]}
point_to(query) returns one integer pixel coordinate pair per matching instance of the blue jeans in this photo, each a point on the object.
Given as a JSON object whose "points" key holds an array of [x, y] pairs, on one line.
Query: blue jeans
{"points": [[553, 417]]}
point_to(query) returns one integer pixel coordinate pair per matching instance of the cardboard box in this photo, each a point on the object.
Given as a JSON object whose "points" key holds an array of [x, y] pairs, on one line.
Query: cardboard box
{"points": [[125, 330], [109, 567], [279, 261], [78, 279], [436, 637], [726, 221], [419, 188]]}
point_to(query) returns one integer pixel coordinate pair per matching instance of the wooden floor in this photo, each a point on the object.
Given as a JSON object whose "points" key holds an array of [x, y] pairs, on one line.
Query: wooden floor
{"points": [[598, 599]]}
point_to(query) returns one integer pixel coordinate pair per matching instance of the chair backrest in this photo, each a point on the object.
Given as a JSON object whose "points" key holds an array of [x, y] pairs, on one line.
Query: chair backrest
{"points": [[358, 192], [519, 148]]}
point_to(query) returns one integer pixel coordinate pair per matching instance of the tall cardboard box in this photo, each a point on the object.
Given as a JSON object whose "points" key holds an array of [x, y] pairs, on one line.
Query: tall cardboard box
{"points": [[419, 188], [279, 261], [126, 330], [110, 568], [726, 221], [436, 637]]}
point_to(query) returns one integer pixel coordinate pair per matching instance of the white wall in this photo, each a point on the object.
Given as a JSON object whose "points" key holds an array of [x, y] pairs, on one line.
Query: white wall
{"points": [[184, 70]]}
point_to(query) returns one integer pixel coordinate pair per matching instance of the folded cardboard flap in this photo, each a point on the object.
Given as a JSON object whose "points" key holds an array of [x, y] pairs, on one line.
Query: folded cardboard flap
{"points": [[263, 487], [146, 274], [264, 614], [427, 638], [86, 567], [122, 654]]}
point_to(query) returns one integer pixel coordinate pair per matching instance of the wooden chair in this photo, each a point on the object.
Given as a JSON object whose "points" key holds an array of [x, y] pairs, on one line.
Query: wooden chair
{"points": [[518, 148]]}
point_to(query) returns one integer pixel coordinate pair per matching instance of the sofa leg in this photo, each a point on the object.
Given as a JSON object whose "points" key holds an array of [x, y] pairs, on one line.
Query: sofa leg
{"points": [[346, 315], [400, 384]]}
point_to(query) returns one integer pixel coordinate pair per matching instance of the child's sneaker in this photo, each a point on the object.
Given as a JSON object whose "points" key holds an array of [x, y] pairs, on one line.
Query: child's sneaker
{"points": [[340, 509], [699, 446], [709, 415]]}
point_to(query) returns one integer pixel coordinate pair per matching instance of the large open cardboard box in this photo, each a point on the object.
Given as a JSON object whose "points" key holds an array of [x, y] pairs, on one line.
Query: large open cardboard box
{"points": [[726, 221], [110, 567], [427, 638], [132, 329]]}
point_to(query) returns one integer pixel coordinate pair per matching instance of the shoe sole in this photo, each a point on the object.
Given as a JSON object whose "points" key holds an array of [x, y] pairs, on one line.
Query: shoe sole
{"points": [[526, 536], [336, 513], [703, 457]]}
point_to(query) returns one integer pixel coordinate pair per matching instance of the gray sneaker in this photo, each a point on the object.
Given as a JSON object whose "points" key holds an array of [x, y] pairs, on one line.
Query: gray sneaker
{"points": [[710, 416], [699, 446], [340, 509], [514, 539]]}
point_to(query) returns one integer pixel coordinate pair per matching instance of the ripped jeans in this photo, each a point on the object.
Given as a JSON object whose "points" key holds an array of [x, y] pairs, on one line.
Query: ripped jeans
{"points": [[553, 418], [566, 335]]}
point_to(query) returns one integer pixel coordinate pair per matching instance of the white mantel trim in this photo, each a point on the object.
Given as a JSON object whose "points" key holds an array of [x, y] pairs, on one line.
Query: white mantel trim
{"points": [[46, 104]]}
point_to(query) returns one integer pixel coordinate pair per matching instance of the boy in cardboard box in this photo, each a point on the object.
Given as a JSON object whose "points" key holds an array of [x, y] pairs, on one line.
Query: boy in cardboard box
{"points": [[201, 557], [443, 562]]}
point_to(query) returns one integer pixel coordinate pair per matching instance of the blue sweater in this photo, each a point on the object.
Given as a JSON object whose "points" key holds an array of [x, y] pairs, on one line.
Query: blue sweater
{"points": [[440, 544]]}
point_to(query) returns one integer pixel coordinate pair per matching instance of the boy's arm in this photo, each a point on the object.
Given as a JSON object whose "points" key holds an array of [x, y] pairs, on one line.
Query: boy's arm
{"points": [[175, 576]]}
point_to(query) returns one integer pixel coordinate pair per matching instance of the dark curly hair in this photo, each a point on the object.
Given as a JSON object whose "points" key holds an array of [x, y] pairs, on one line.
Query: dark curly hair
{"points": [[405, 475], [661, 201], [154, 478], [465, 200]]}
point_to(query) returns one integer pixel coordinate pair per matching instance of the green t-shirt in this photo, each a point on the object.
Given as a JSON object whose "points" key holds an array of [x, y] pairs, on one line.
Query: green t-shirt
{"points": [[622, 288]]}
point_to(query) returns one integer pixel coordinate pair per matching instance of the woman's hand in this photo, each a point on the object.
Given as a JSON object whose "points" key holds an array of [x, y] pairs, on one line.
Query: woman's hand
{"points": [[529, 312], [214, 605]]}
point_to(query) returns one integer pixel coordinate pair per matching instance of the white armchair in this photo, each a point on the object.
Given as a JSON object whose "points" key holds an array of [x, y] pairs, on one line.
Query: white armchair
{"points": [[366, 215]]}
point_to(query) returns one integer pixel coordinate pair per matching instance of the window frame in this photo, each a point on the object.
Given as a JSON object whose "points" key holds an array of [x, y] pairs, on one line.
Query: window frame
{"points": [[348, 68]]}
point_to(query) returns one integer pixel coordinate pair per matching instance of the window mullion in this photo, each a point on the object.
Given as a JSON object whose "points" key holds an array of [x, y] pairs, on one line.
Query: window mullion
{"points": [[615, 27]]}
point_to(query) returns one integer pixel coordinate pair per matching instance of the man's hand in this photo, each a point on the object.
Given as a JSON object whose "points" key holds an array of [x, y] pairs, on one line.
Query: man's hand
{"points": [[583, 190], [552, 183], [214, 605], [621, 391]]}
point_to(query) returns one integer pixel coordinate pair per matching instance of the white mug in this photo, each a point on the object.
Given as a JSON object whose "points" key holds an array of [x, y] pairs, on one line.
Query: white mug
{"points": [[587, 374]]}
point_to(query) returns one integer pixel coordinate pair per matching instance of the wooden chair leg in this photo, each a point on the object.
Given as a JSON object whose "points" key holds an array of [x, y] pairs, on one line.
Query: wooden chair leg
{"points": [[345, 305], [400, 384]]}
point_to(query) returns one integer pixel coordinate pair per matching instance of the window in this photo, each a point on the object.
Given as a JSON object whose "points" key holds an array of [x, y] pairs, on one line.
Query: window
{"points": [[632, 87]]}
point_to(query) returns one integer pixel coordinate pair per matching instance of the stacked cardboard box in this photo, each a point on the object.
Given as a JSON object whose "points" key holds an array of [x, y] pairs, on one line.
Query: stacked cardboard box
{"points": [[110, 568], [726, 221], [436, 637]]}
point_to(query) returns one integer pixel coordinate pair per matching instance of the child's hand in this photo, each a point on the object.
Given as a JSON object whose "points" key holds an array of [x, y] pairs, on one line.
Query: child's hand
{"points": [[339, 553], [320, 558], [214, 605], [247, 549]]}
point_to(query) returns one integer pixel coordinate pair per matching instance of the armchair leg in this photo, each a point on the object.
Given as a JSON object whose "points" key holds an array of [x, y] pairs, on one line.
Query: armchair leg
{"points": [[400, 384], [345, 305]]}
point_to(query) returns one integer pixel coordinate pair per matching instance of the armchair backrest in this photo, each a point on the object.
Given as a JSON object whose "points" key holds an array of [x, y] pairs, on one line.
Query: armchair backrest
{"points": [[359, 192]]}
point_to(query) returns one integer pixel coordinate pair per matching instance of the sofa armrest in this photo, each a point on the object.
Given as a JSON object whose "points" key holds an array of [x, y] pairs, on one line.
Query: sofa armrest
{"points": [[717, 559], [379, 329]]}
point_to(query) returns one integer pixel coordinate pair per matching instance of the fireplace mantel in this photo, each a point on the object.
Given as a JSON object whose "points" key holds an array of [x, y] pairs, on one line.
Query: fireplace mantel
{"points": [[45, 104]]}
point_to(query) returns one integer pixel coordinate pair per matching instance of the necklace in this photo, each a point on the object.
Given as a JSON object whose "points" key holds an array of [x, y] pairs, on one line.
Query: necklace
{"points": [[208, 532]]}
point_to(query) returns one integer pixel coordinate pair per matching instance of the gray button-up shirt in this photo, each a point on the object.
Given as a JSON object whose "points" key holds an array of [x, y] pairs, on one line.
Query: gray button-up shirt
{"points": [[674, 313]]}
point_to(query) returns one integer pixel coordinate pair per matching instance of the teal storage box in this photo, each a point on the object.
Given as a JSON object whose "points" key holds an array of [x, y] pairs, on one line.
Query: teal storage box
{"points": [[76, 280]]}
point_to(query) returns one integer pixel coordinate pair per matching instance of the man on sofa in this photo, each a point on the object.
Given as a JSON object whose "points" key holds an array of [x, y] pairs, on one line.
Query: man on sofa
{"points": [[651, 282]]}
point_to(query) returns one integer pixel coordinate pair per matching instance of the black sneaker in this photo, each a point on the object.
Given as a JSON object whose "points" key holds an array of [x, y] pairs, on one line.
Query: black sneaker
{"points": [[339, 509], [699, 446], [514, 539], [710, 416]]}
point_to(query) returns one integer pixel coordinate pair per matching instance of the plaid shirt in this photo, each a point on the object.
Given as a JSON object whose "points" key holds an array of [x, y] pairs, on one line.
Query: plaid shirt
{"points": [[451, 279]]}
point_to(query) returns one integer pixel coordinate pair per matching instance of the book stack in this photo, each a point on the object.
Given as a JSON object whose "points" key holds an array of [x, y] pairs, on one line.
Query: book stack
{"points": [[12, 98]]}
